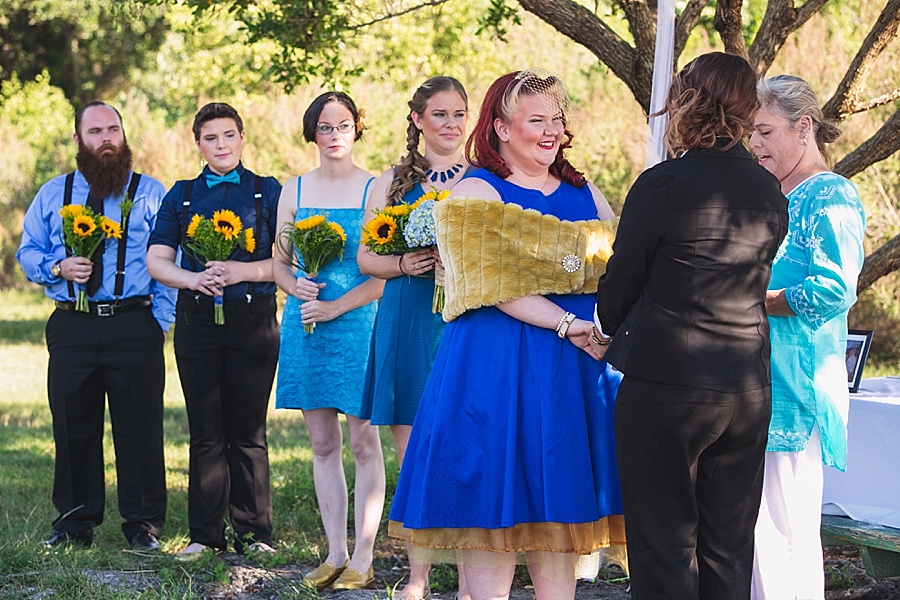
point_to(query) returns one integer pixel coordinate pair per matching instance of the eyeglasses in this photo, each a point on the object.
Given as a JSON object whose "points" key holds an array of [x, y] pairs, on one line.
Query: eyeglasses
{"points": [[323, 129]]}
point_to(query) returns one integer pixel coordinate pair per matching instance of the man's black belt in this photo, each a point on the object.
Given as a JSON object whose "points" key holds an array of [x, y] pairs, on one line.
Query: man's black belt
{"points": [[109, 309]]}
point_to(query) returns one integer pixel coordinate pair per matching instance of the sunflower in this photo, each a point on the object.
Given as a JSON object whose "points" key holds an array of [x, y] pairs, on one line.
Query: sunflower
{"points": [[249, 240], [338, 230], [194, 224], [381, 229], [398, 210], [83, 226], [111, 228], [227, 223], [71, 210], [432, 194], [310, 222]]}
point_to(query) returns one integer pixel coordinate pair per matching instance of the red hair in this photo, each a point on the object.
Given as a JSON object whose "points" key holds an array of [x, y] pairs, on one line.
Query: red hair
{"points": [[483, 145]]}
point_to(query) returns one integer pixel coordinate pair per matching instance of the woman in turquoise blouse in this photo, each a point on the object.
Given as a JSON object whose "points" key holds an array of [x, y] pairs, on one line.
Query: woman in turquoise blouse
{"points": [[812, 288]]}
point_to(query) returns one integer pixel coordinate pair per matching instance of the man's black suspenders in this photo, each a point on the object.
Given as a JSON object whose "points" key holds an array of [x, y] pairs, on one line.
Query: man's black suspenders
{"points": [[120, 259]]}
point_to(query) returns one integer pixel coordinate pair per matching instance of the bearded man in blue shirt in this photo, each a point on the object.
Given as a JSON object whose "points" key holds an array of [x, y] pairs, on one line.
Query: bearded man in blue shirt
{"points": [[114, 350]]}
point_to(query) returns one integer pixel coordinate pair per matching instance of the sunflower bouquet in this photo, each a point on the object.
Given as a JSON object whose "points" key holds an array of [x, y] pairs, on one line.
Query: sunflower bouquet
{"points": [[384, 233], [420, 232], [216, 239], [316, 242], [83, 232]]}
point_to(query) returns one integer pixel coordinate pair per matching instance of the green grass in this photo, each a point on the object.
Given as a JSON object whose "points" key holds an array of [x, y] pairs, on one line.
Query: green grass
{"points": [[26, 480]]}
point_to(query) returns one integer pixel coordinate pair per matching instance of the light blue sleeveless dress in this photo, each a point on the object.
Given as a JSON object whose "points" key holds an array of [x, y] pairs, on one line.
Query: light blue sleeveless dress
{"points": [[326, 369], [404, 343]]}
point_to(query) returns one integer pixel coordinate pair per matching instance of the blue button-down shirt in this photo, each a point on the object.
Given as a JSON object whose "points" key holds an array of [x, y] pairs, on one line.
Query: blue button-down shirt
{"points": [[42, 244], [170, 228]]}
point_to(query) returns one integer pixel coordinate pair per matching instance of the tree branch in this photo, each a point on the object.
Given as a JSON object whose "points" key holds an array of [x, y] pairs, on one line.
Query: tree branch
{"points": [[846, 100], [584, 27], [780, 20], [882, 144], [878, 101], [685, 23], [881, 262], [728, 23], [390, 15]]}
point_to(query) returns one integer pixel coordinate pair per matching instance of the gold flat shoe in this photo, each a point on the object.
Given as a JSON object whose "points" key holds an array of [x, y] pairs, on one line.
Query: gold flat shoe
{"points": [[351, 579], [323, 575]]}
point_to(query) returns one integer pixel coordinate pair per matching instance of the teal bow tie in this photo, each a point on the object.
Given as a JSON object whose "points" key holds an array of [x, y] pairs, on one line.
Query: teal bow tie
{"points": [[212, 180]]}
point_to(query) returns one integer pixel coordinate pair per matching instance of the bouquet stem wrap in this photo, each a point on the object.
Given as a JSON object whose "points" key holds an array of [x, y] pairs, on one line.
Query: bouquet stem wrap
{"points": [[219, 308], [494, 252]]}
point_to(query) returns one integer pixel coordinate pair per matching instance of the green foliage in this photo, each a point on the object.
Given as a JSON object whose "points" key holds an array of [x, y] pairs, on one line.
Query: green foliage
{"points": [[838, 578], [497, 18], [36, 124], [85, 46]]}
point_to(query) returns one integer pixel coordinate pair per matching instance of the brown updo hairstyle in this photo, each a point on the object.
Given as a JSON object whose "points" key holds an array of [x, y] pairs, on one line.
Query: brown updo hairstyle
{"points": [[713, 96], [312, 114], [414, 165], [793, 98]]}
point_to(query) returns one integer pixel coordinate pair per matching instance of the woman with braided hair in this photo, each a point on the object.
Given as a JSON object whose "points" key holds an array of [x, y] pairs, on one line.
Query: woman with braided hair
{"points": [[407, 333]]}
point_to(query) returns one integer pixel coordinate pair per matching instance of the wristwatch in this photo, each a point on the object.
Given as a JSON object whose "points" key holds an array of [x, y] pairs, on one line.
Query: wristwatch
{"points": [[56, 270]]}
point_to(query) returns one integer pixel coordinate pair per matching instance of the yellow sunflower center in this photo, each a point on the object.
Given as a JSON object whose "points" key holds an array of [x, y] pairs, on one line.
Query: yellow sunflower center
{"points": [[83, 226]]}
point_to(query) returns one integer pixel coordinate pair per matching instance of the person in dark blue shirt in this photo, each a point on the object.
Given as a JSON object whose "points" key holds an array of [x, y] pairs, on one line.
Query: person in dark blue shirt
{"points": [[112, 350], [226, 370]]}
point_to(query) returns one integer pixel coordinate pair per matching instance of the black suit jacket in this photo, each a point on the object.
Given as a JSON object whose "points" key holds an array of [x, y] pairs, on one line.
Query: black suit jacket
{"points": [[684, 291]]}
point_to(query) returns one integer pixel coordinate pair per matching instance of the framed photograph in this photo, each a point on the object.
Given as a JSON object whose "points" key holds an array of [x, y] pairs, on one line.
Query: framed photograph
{"points": [[858, 343]]}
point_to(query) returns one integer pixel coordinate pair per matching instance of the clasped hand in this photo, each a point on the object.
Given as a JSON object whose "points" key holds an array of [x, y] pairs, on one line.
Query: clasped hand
{"points": [[312, 310], [579, 333], [417, 262], [213, 280]]}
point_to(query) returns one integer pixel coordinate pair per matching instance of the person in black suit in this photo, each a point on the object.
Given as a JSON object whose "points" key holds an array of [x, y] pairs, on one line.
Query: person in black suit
{"points": [[680, 311]]}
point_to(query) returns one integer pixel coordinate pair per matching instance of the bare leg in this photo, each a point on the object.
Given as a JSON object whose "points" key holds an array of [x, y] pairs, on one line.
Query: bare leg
{"points": [[553, 575], [401, 440], [328, 477], [488, 575], [418, 572], [463, 592], [368, 491]]}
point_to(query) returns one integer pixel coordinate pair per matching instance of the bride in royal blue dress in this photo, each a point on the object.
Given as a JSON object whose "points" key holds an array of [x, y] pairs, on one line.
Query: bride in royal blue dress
{"points": [[512, 450]]}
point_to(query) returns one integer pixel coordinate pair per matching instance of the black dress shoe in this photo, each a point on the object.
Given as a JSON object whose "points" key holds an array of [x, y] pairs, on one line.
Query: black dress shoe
{"points": [[144, 540], [61, 538]]}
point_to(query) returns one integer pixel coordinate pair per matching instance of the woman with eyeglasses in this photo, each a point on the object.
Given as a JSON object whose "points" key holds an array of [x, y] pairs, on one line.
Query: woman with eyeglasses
{"points": [[322, 373]]}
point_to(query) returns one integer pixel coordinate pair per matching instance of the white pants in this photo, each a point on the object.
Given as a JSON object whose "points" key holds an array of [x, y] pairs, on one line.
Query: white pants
{"points": [[787, 561]]}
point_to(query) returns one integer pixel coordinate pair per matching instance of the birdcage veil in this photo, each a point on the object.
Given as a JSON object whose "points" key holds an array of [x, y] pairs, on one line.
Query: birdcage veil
{"points": [[538, 82]]}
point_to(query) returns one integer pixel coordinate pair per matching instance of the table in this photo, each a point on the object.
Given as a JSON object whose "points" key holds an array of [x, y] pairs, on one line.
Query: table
{"points": [[870, 488]]}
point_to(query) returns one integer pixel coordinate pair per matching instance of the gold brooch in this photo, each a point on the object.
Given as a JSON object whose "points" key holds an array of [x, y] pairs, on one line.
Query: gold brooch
{"points": [[571, 263]]}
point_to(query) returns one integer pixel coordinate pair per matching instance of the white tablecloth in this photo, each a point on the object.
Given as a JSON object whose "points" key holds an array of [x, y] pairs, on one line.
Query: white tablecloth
{"points": [[870, 488]]}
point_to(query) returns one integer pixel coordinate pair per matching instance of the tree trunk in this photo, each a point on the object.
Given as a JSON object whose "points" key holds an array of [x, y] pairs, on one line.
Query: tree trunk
{"points": [[883, 261], [584, 27]]}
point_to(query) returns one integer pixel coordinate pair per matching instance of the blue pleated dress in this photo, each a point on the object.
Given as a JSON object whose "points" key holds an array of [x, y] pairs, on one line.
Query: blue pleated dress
{"points": [[326, 369], [403, 346], [514, 433]]}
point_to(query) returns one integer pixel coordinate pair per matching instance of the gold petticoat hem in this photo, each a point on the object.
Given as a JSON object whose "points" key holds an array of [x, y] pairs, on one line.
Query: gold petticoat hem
{"points": [[566, 538]]}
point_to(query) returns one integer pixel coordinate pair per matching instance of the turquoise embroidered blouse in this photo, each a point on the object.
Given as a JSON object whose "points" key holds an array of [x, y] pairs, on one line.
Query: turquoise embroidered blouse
{"points": [[817, 265]]}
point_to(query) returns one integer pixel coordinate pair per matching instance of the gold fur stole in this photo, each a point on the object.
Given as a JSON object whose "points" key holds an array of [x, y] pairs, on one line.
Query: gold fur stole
{"points": [[494, 252]]}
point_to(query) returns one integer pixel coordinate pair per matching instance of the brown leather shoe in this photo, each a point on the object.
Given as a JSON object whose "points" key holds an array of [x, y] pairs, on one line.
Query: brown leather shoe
{"points": [[322, 576], [351, 579]]}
